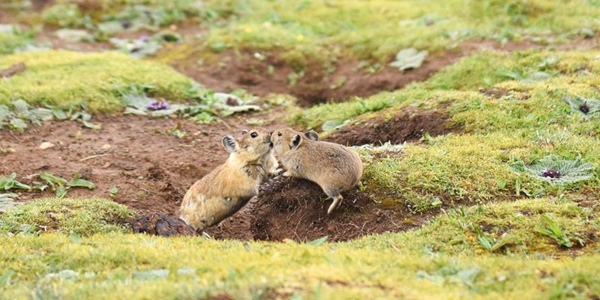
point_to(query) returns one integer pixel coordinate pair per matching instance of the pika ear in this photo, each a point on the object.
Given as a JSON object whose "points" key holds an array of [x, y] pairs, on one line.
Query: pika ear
{"points": [[230, 144], [244, 131], [312, 135], [296, 141]]}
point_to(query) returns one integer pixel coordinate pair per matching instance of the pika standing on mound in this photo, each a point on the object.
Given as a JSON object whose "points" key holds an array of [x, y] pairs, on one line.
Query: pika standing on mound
{"points": [[228, 187], [333, 167]]}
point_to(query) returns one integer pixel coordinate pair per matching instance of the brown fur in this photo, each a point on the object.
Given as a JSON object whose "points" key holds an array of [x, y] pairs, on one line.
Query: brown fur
{"points": [[333, 167], [227, 188]]}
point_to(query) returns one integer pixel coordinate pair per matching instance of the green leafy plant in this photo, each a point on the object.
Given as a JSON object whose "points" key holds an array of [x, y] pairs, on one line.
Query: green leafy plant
{"points": [[410, 58], [12, 228], [7, 200], [177, 132], [491, 243], [8, 183], [113, 191], [583, 105], [144, 46], [556, 170], [22, 112], [551, 229], [209, 106], [319, 241], [61, 185]]}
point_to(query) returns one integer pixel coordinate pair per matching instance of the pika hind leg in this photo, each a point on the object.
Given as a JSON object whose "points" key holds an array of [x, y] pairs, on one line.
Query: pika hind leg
{"points": [[337, 201]]}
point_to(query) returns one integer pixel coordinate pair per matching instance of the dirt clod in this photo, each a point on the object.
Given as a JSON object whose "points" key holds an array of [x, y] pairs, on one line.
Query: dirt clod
{"points": [[161, 224]]}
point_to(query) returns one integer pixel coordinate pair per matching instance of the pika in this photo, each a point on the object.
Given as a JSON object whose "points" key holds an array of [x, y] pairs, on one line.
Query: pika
{"points": [[333, 167], [228, 187]]}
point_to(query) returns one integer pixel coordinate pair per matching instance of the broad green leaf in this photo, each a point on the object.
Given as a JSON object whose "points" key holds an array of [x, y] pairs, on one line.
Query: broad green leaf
{"points": [[59, 113], [77, 182], [319, 241], [410, 58], [5, 278], [61, 192], [52, 180]]}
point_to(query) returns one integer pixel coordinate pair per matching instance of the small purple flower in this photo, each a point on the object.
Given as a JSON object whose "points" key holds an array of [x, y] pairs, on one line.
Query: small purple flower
{"points": [[550, 173], [143, 38], [584, 107], [157, 105]]}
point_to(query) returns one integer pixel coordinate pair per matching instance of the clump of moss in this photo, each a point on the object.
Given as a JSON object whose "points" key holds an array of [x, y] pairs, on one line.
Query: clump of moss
{"points": [[9, 42], [60, 78], [81, 216], [461, 230], [451, 169]]}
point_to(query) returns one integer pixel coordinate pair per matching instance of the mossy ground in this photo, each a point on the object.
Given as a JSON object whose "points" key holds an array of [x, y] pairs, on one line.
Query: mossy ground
{"points": [[509, 107], [442, 259], [60, 78]]}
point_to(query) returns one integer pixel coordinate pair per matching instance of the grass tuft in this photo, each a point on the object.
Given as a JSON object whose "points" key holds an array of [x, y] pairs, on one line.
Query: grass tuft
{"points": [[59, 78], [79, 216]]}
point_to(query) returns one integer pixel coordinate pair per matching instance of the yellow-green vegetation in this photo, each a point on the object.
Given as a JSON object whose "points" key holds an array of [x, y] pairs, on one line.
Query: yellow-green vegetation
{"points": [[444, 259], [9, 42], [82, 217], [60, 78], [305, 30], [502, 231], [511, 112], [322, 29]]}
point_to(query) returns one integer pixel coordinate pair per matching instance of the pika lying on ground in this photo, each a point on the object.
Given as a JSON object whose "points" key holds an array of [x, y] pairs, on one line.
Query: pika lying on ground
{"points": [[228, 187], [333, 167]]}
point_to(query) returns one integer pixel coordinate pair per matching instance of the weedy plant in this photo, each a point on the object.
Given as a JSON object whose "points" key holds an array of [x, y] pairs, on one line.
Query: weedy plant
{"points": [[558, 171], [9, 183], [61, 185], [207, 106], [491, 243], [551, 229], [22, 112], [585, 106]]}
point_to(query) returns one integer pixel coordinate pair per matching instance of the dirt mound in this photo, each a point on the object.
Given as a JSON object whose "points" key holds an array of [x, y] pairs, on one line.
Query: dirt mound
{"points": [[407, 125], [296, 209], [160, 224]]}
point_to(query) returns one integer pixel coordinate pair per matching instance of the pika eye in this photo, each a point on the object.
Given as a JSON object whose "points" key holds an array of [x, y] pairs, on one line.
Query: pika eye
{"points": [[254, 134], [279, 134]]}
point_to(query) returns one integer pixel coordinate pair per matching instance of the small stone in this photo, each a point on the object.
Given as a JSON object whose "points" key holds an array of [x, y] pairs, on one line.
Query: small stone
{"points": [[106, 147], [46, 145]]}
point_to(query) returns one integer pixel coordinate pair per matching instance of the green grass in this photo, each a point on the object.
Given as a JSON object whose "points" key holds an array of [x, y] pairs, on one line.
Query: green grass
{"points": [[60, 78], [9, 42], [540, 77], [507, 115], [497, 230], [81, 217], [305, 30], [442, 259]]}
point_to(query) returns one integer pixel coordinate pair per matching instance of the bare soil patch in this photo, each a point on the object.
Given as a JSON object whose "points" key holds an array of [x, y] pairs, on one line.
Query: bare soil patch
{"points": [[230, 71], [153, 169], [405, 126]]}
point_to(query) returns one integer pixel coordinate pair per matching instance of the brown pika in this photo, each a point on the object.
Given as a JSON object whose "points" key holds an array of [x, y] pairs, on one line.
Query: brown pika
{"points": [[228, 187], [333, 167]]}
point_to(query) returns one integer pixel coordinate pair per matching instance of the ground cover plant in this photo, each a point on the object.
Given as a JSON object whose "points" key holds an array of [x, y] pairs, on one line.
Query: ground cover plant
{"points": [[481, 178]]}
